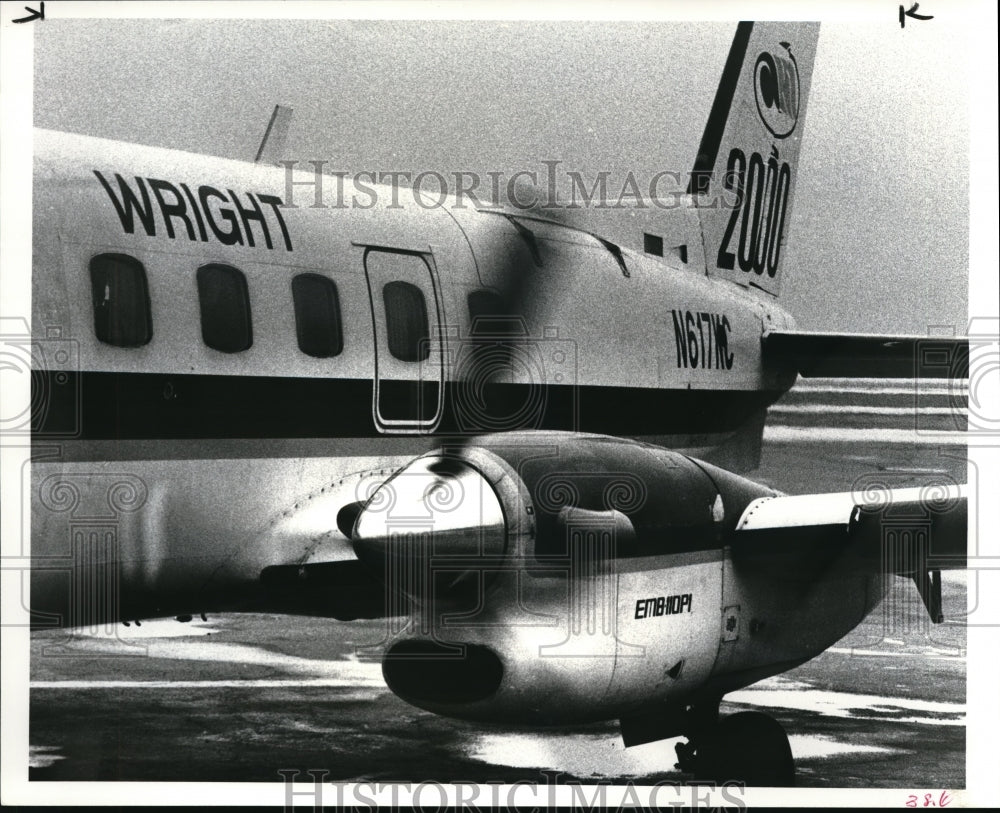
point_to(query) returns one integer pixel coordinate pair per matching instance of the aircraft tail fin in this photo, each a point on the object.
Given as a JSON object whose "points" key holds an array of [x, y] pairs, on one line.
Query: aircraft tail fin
{"points": [[743, 179]]}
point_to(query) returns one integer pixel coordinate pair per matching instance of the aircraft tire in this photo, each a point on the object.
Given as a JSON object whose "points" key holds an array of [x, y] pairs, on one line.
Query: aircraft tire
{"points": [[749, 747]]}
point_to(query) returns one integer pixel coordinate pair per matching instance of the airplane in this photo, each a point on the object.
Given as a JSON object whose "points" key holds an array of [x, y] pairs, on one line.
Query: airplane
{"points": [[521, 443]]}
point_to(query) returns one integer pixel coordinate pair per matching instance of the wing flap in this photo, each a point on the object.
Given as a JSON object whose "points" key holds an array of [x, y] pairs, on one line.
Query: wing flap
{"points": [[858, 355]]}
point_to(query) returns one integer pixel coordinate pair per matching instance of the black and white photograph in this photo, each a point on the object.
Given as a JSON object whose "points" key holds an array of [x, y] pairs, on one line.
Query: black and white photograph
{"points": [[499, 405]]}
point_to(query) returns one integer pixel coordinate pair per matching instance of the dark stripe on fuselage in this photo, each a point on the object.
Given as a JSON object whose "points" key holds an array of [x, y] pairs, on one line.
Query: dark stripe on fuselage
{"points": [[104, 405]]}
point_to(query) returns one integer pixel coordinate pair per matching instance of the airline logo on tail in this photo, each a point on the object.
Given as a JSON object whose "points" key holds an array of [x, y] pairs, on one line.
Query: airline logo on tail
{"points": [[749, 153], [776, 88]]}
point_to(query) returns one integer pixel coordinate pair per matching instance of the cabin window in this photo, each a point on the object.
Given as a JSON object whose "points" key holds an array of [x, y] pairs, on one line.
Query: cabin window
{"points": [[406, 321], [122, 314], [652, 244], [317, 315], [225, 308]]}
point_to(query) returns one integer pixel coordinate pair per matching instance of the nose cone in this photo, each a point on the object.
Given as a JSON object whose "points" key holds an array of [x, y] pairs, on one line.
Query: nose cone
{"points": [[438, 517]]}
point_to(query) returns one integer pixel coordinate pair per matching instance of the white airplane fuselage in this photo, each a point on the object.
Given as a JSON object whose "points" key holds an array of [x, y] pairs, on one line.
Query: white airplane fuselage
{"points": [[171, 474]]}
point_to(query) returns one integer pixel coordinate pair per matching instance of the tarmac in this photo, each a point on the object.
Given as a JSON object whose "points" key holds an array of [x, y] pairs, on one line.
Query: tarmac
{"points": [[242, 697]]}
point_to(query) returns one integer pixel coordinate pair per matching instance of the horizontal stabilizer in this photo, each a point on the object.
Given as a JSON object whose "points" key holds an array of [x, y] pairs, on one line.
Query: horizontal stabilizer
{"points": [[859, 355]]}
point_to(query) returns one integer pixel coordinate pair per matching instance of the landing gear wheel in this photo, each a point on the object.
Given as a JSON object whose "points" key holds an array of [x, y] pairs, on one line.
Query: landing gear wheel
{"points": [[748, 747], [686, 759]]}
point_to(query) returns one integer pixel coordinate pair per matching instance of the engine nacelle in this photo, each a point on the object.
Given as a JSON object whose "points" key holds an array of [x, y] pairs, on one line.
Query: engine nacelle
{"points": [[553, 578]]}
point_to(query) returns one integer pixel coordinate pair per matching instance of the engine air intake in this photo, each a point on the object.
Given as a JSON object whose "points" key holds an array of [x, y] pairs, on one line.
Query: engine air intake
{"points": [[431, 672]]}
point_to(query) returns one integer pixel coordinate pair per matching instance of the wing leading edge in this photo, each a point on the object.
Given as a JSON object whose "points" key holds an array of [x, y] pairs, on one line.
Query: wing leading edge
{"points": [[914, 532]]}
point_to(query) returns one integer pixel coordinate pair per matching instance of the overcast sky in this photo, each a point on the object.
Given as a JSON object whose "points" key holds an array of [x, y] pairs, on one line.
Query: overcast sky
{"points": [[878, 240]]}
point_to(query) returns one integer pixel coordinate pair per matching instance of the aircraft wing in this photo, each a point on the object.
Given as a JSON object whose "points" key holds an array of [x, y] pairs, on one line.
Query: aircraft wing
{"points": [[336, 588], [858, 355], [914, 532], [345, 590]]}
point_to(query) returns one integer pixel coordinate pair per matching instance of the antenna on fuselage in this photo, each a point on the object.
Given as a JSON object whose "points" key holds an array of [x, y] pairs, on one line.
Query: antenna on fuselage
{"points": [[274, 136]]}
